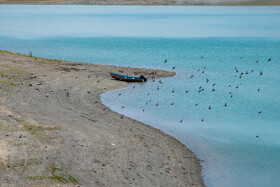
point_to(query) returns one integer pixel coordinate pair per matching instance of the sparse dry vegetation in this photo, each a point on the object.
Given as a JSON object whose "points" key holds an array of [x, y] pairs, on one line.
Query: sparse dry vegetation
{"points": [[54, 130]]}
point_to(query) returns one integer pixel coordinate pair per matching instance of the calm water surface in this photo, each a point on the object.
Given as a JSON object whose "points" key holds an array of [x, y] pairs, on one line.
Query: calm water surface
{"points": [[239, 146]]}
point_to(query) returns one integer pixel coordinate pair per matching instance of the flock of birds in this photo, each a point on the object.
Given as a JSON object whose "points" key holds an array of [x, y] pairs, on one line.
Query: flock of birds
{"points": [[238, 74]]}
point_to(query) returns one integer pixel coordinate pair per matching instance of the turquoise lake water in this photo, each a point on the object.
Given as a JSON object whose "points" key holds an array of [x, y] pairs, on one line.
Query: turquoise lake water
{"points": [[238, 146]]}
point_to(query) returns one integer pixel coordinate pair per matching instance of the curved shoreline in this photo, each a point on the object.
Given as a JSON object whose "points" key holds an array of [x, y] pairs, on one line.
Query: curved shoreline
{"points": [[55, 130]]}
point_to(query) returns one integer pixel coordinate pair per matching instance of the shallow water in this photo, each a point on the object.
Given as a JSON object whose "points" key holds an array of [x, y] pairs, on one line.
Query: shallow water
{"points": [[226, 139], [228, 38]]}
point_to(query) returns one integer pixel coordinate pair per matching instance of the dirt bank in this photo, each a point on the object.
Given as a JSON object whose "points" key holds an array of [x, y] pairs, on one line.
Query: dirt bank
{"points": [[55, 131]]}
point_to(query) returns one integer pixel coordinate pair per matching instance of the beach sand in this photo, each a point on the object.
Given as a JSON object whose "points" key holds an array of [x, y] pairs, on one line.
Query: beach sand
{"points": [[54, 130]]}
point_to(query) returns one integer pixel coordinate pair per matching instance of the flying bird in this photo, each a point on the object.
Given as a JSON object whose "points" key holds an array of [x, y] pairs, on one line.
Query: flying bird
{"points": [[165, 61]]}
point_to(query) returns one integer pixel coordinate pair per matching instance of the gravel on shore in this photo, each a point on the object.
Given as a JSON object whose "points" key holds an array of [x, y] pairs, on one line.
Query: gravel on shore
{"points": [[54, 130]]}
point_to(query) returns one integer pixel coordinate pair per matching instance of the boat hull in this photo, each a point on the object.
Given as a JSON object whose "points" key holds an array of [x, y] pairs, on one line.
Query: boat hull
{"points": [[126, 78]]}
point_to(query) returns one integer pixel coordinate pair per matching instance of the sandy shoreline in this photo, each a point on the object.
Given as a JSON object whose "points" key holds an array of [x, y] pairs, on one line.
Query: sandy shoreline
{"points": [[55, 131]]}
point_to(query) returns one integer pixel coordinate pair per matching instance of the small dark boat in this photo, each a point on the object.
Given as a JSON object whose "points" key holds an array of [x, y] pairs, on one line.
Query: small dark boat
{"points": [[128, 78]]}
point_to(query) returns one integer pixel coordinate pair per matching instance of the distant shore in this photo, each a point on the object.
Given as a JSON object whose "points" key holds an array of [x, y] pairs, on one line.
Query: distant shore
{"points": [[55, 131], [149, 2]]}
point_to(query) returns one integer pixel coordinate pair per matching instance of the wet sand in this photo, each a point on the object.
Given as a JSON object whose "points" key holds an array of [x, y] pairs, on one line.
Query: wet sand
{"points": [[54, 130]]}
